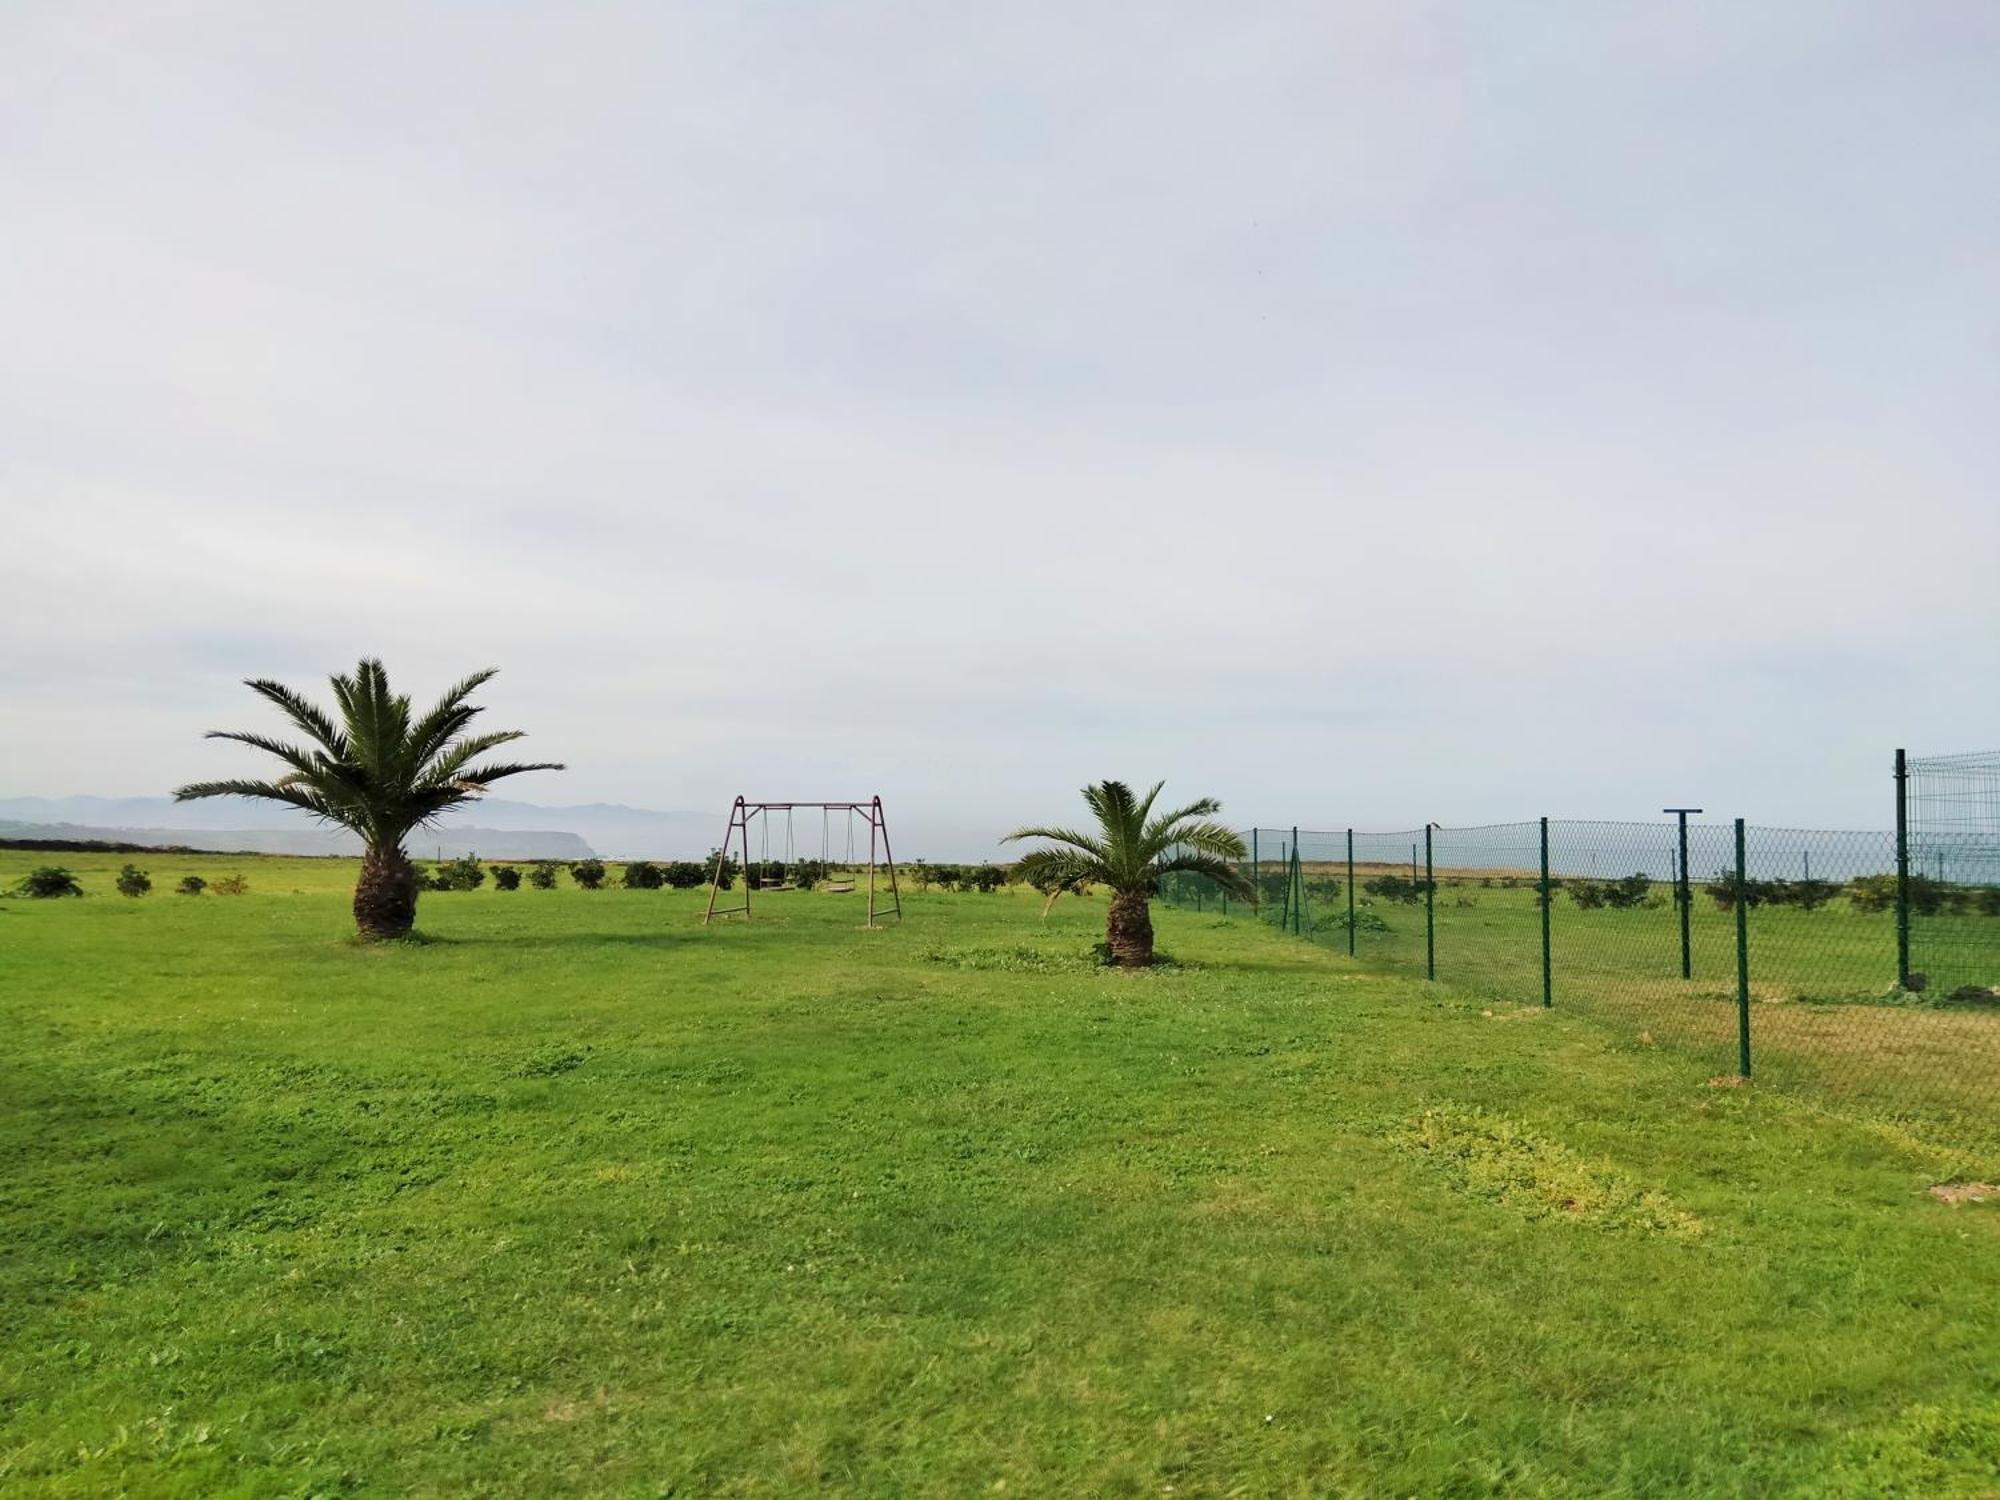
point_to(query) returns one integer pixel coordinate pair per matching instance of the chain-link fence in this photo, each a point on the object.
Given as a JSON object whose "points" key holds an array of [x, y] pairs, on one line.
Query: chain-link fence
{"points": [[1774, 953]]}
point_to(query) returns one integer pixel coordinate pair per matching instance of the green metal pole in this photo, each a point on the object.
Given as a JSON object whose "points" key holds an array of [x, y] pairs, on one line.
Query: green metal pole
{"points": [[1902, 869], [1684, 890], [1297, 881], [1742, 957], [1548, 972], [1350, 893], [1430, 911], [1256, 873]]}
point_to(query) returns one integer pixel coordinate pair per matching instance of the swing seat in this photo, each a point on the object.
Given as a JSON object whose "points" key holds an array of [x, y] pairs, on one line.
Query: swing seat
{"points": [[838, 887]]}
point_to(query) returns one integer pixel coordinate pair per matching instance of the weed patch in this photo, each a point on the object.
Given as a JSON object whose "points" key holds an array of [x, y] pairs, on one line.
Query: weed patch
{"points": [[1489, 1156]]}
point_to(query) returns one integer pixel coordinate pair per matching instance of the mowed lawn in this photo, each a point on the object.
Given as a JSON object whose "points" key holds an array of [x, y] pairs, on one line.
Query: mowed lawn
{"points": [[579, 1198]]}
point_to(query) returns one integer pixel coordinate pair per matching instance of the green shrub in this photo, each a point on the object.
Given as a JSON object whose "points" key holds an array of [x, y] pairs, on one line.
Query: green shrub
{"points": [[1623, 895], [191, 885], [542, 875], [726, 878], [1398, 888], [642, 875], [506, 878], [986, 879], [1587, 894], [1806, 895], [133, 881], [463, 874], [588, 873], [230, 885], [686, 874], [944, 877], [1725, 889], [48, 882]]}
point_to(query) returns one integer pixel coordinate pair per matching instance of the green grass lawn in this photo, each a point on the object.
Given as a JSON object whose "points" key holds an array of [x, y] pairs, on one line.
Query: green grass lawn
{"points": [[581, 1198]]}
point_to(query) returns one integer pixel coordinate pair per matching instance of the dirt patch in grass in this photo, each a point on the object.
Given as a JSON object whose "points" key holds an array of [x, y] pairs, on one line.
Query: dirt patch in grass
{"points": [[1957, 1194], [1489, 1156]]}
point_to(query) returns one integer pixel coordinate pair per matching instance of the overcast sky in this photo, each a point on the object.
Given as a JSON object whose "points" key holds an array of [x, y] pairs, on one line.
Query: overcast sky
{"points": [[1364, 412]]}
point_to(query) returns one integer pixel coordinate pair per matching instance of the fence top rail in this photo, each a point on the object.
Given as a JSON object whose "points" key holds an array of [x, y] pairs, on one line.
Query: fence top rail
{"points": [[1967, 760], [1568, 824]]}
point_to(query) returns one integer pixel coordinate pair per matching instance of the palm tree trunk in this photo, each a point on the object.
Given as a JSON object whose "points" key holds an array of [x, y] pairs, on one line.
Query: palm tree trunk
{"points": [[385, 897], [1128, 930]]}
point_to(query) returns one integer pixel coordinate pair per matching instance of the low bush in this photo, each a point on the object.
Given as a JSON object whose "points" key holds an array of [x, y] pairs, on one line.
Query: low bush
{"points": [[686, 874], [944, 877], [725, 878], [463, 874], [1726, 890], [1623, 895], [642, 875], [191, 885], [506, 878], [133, 881], [48, 882], [230, 885], [1588, 895], [986, 879], [588, 873], [1806, 895]]}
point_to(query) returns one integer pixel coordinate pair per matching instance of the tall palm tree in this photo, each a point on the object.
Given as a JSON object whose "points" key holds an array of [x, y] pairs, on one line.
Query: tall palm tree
{"points": [[1133, 849], [378, 772]]}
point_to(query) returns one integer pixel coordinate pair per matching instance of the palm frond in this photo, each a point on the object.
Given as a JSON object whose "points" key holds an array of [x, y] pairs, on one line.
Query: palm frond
{"points": [[1054, 871], [1059, 836], [450, 716], [480, 777], [1160, 827], [1224, 874], [291, 755], [1209, 838], [307, 715], [456, 755], [269, 791]]}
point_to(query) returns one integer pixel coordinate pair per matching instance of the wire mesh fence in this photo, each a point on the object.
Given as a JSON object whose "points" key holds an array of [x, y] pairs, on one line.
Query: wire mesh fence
{"points": [[1774, 953]]}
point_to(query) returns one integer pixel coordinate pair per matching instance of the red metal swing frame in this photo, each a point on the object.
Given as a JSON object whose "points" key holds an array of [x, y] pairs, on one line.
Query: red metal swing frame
{"points": [[738, 830]]}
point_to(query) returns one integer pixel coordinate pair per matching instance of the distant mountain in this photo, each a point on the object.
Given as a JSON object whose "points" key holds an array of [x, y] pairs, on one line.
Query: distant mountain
{"points": [[493, 826], [609, 830], [308, 838]]}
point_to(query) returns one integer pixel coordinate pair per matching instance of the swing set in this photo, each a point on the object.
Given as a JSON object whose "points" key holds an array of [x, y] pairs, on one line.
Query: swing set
{"points": [[764, 815]]}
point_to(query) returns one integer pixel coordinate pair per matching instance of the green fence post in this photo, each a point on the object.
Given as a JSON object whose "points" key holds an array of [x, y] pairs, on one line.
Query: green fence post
{"points": [[1742, 957], [1548, 973], [1430, 910], [1256, 876], [1902, 869], [1350, 893], [1684, 891], [1297, 880]]}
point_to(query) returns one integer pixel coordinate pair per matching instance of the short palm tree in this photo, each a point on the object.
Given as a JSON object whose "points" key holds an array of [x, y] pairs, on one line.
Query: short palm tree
{"points": [[378, 772], [1130, 853]]}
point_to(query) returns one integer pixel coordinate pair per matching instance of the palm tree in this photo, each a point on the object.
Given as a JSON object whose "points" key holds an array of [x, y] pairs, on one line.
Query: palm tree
{"points": [[376, 772], [1133, 850]]}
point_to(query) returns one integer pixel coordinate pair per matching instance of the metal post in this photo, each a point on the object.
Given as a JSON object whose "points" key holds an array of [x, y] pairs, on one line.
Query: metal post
{"points": [[1256, 873], [1684, 891], [1350, 893], [1742, 957], [1297, 880], [1902, 869], [1430, 911], [1548, 972]]}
